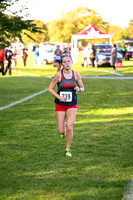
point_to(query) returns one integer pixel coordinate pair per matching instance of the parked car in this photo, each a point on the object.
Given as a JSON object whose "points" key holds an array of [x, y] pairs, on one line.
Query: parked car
{"points": [[103, 55], [48, 56], [127, 51]]}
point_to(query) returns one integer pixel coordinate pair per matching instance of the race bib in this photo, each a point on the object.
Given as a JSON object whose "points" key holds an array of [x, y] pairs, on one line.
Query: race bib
{"points": [[58, 58], [68, 95]]}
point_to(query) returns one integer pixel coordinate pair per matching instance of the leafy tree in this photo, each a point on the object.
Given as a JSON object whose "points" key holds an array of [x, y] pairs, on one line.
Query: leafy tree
{"points": [[74, 21], [129, 29], [118, 33], [12, 23], [37, 37]]}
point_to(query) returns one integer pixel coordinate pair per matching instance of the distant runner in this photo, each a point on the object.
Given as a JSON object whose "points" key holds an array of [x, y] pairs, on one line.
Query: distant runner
{"points": [[57, 57]]}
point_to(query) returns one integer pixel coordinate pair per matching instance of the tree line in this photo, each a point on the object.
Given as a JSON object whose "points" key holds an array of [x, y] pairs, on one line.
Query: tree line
{"points": [[13, 25]]}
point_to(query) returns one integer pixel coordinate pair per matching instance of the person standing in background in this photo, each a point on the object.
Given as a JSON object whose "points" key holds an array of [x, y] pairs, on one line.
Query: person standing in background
{"points": [[8, 59], [37, 56], [14, 57], [93, 55], [2, 57], [24, 56], [113, 56]]}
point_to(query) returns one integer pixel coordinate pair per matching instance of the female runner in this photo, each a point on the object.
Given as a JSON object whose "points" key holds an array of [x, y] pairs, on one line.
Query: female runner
{"points": [[58, 55], [66, 99]]}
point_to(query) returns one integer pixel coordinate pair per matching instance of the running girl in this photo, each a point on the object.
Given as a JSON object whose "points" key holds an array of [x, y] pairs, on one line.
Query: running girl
{"points": [[69, 82]]}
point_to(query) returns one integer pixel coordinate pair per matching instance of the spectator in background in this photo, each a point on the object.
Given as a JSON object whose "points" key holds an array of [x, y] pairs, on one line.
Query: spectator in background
{"points": [[41, 51], [93, 55], [30, 48], [37, 57], [113, 56], [24, 56], [8, 59], [34, 47], [85, 54], [2, 57], [14, 57]]}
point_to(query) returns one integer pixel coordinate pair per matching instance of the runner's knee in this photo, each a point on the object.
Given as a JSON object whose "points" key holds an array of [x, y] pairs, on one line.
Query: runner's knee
{"points": [[60, 130], [69, 128]]}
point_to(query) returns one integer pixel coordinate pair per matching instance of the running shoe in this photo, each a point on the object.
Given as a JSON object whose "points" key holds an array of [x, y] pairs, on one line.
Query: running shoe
{"points": [[62, 136], [68, 153]]}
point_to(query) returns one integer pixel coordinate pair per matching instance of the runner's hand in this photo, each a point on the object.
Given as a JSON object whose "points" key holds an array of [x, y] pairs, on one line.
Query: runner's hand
{"points": [[77, 89], [63, 99]]}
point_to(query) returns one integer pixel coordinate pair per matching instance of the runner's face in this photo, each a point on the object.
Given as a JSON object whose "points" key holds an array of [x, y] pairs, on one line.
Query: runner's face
{"points": [[66, 62]]}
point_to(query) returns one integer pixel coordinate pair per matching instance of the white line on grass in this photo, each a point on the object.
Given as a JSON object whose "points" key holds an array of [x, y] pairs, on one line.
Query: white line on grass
{"points": [[26, 73], [108, 77], [21, 100], [112, 72], [129, 194]]}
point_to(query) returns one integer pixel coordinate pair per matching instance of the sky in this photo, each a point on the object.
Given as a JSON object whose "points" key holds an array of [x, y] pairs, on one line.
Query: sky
{"points": [[116, 12]]}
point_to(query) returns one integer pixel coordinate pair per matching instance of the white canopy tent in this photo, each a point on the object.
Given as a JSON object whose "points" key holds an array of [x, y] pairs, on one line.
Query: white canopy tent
{"points": [[90, 32]]}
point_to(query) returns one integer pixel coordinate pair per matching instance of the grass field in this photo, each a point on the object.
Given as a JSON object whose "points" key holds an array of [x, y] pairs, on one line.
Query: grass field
{"points": [[33, 165]]}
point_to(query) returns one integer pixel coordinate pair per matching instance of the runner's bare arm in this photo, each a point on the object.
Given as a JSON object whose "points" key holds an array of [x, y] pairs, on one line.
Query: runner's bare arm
{"points": [[52, 85], [80, 87]]}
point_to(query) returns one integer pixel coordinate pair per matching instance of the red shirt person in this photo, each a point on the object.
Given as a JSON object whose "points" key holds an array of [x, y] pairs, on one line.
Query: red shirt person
{"points": [[2, 58]]}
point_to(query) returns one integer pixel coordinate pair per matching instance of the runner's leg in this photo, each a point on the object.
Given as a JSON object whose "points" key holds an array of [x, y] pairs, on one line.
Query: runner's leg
{"points": [[58, 65], [71, 116], [60, 118]]}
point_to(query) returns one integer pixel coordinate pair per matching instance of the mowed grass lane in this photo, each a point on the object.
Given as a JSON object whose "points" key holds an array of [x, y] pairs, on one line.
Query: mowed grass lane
{"points": [[32, 160]]}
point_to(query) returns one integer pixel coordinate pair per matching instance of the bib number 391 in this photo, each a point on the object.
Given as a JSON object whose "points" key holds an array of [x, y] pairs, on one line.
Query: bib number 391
{"points": [[68, 95]]}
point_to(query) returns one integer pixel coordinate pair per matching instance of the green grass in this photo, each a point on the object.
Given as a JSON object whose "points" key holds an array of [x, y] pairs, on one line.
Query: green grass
{"points": [[32, 161]]}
